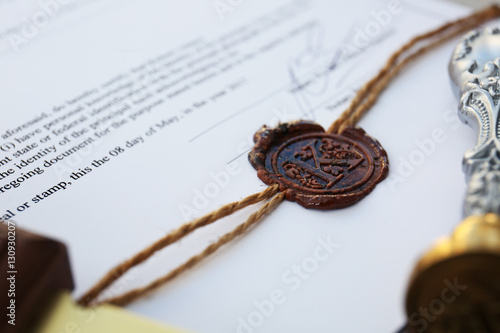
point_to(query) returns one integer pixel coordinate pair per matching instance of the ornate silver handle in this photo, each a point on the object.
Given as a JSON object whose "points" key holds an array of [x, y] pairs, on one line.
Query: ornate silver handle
{"points": [[468, 262], [474, 69]]}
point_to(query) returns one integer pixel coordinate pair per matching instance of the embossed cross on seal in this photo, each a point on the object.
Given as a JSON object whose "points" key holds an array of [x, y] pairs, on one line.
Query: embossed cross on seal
{"points": [[317, 169]]}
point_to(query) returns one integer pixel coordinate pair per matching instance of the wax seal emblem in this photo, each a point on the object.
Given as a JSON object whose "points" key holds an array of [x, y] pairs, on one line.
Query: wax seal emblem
{"points": [[317, 169]]}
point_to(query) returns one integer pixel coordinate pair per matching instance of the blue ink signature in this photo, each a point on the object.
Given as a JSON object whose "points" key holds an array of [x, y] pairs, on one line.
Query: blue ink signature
{"points": [[310, 70]]}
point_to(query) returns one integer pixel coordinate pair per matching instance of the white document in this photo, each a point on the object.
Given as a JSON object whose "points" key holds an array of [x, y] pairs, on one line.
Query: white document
{"points": [[122, 120]]}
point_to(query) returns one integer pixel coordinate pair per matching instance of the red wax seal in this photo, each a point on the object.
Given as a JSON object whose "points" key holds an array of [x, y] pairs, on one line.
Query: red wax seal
{"points": [[317, 169]]}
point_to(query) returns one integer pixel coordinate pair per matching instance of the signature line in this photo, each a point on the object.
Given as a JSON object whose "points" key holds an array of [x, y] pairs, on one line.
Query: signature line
{"points": [[248, 107]]}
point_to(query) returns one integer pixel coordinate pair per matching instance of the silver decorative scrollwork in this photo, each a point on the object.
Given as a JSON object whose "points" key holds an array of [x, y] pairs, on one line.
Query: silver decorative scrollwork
{"points": [[475, 71]]}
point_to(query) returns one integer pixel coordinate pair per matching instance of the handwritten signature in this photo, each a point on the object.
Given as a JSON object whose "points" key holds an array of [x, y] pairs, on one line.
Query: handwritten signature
{"points": [[310, 70]]}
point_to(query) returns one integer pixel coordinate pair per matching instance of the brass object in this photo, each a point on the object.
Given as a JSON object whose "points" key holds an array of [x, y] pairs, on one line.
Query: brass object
{"points": [[455, 287]]}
